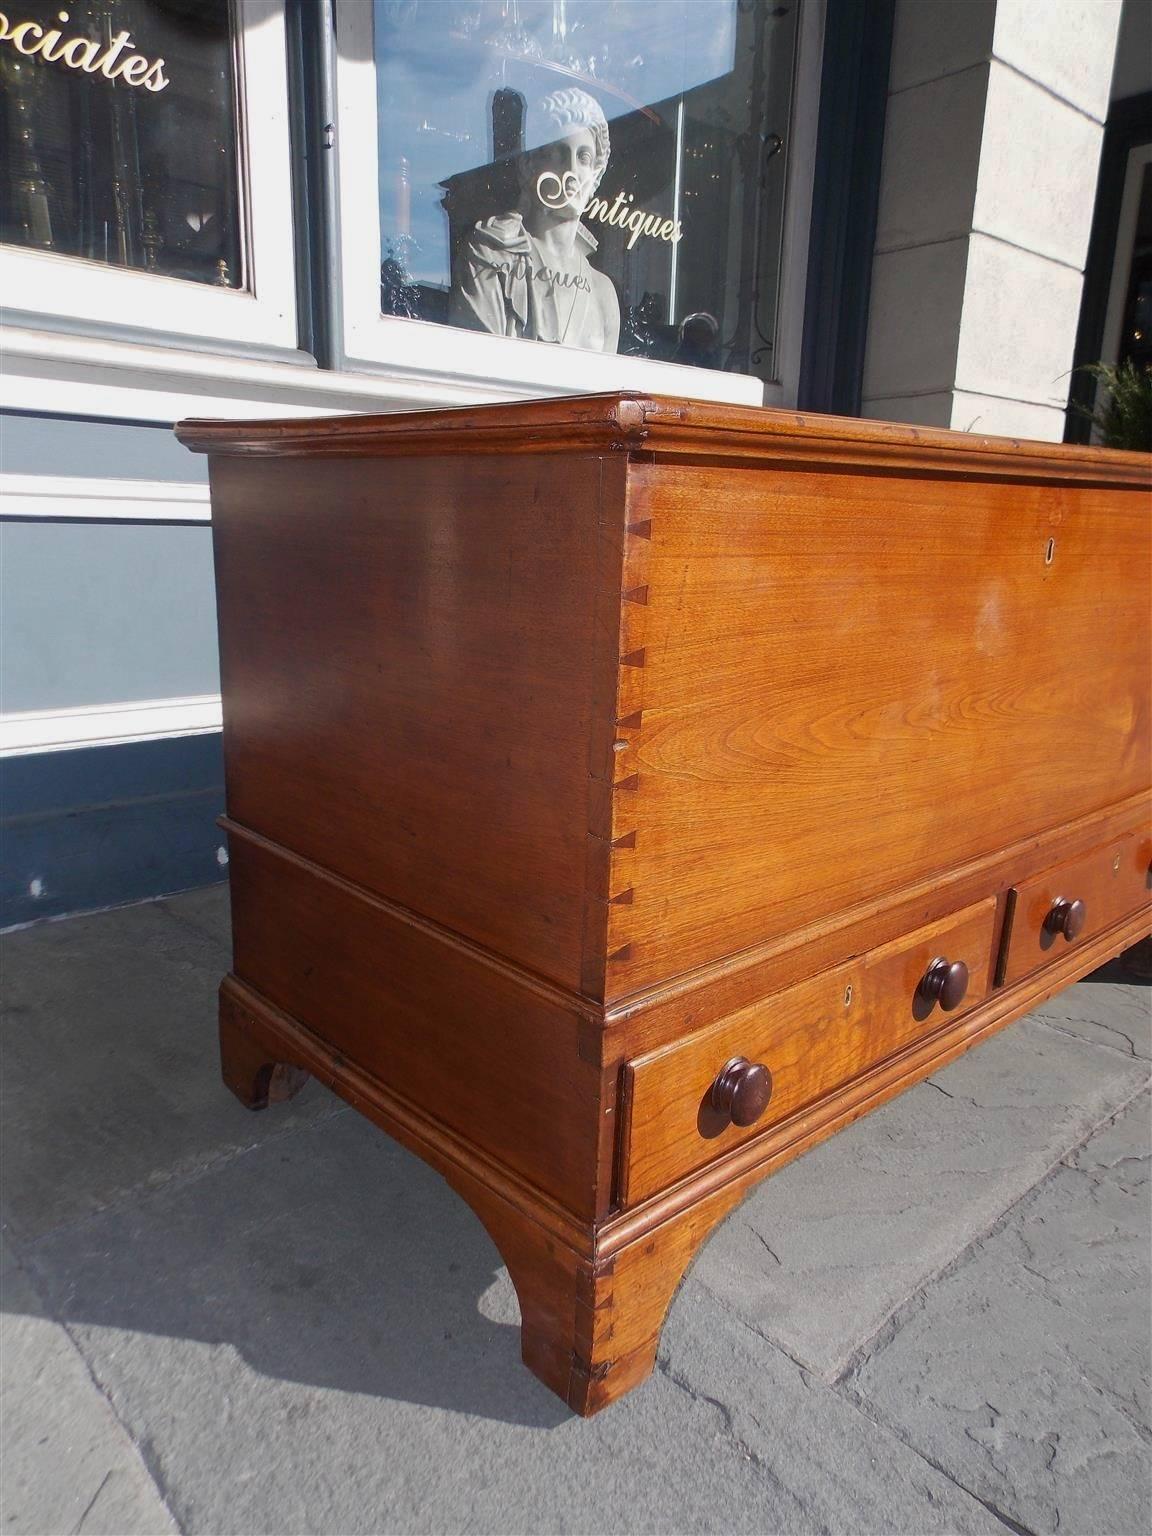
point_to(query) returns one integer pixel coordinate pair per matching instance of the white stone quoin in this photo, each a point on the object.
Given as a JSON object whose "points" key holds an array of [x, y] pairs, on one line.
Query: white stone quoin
{"points": [[992, 144]]}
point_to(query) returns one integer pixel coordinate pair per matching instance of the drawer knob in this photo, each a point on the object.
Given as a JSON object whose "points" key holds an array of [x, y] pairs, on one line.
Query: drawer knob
{"points": [[742, 1091], [1066, 917], [944, 982]]}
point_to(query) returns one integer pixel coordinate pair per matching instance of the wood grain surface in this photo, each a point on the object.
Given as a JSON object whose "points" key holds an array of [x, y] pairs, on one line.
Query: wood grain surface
{"points": [[415, 677], [662, 425], [576, 747], [1112, 881], [513, 1067], [851, 683], [812, 1037]]}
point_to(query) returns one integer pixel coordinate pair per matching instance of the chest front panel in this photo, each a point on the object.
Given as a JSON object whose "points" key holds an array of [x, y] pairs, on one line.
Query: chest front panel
{"points": [[851, 681]]}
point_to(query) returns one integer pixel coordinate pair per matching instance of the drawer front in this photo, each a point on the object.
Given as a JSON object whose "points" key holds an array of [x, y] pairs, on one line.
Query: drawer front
{"points": [[812, 1038], [1108, 884]]}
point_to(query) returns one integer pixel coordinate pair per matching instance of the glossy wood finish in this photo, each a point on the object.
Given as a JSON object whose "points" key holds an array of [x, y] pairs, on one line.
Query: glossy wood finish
{"points": [[1070, 902], [741, 1091], [366, 631], [616, 809], [944, 982], [798, 669], [443, 1023], [812, 1038]]}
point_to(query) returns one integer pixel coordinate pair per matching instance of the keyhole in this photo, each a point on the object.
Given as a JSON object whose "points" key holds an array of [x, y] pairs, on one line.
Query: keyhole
{"points": [[1049, 551], [848, 995]]}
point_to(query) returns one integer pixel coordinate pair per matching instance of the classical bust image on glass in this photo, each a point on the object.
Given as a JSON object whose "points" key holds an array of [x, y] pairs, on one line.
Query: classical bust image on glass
{"points": [[600, 174], [526, 272]]}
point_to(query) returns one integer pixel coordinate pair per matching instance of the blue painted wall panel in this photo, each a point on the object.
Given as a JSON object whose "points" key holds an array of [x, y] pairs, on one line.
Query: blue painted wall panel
{"points": [[104, 613], [96, 828]]}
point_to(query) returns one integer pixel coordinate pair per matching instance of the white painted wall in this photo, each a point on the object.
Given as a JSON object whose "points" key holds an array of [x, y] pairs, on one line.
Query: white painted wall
{"points": [[992, 146]]}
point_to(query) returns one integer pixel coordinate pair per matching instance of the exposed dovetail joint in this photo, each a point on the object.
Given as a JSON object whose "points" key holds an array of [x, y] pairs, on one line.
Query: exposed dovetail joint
{"points": [[641, 530], [627, 841], [631, 722], [620, 955], [630, 783], [625, 899], [636, 595], [633, 658]]}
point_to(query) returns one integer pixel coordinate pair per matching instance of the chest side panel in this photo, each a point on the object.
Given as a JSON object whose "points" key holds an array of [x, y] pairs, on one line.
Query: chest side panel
{"points": [[851, 681], [411, 667]]}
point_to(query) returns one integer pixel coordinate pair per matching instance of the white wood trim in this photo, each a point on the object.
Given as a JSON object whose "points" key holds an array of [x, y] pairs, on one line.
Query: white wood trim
{"points": [[801, 170], [67, 496], [70, 288], [107, 725], [90, 376]]}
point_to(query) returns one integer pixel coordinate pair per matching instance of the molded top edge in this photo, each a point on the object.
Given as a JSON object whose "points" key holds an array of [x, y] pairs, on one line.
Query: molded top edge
{"points": [[664, 425]]}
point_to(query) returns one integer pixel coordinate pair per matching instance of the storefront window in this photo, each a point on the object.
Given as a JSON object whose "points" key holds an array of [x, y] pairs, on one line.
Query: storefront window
{"points": [[119, 126], [603, 174]]}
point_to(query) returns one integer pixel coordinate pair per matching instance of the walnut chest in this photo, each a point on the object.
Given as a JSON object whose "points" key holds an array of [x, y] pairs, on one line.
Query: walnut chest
{"points": [[626, 793]]}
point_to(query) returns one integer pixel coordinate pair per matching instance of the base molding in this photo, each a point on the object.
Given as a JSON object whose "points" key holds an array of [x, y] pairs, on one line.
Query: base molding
{"points": [[593, 1296], [743, 1168]]}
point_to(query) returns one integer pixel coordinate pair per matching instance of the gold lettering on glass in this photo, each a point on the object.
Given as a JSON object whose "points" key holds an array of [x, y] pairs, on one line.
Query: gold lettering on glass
{"points": [[114, 61], [571, 191]]}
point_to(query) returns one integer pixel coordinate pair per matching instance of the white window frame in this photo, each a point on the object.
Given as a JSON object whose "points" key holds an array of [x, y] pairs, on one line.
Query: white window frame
{"points": [[72, 289], [419, 352]]}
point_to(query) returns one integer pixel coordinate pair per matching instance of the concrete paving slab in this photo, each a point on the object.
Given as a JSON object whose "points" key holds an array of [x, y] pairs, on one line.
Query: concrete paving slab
{"points": [[110, 1080], [844, 1473], [1107, 1008], [68, 1465], [305, 1331], [319, 1337], [818, 1260], [1023, 1373], [208, 910]]}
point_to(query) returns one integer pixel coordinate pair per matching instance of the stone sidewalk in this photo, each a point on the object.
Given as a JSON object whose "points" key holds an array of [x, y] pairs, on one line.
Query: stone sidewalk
{"points": [[217, 1322]]}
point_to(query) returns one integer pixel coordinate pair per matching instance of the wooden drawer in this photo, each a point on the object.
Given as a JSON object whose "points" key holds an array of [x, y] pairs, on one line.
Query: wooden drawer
{"points": [[812, 1038], [1111, 882]]}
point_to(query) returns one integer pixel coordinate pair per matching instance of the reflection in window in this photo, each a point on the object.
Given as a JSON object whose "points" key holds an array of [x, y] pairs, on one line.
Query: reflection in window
{"points": [[1136, 326], [118, 126], [596, 173]]}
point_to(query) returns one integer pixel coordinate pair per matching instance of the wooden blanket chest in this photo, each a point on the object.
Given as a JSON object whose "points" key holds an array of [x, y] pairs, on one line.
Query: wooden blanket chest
{"points": [[625, 793]]}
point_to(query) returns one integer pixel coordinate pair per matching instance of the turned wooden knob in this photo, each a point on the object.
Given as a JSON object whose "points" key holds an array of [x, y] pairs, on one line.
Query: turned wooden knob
{"points": [[945, 983], [1066, 917], [742, 1091]]}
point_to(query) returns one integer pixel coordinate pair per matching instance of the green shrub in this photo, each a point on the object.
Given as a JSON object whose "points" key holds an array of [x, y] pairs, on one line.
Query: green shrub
{"points": [[1124, 420]]}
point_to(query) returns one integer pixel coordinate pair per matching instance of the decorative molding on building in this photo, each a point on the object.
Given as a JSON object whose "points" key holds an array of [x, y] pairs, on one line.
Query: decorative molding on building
{"points": [[107, 725], [52, 497]]}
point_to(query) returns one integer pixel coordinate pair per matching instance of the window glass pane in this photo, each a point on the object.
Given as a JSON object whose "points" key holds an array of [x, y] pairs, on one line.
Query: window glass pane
{"points": [[606, 174], [118, 127], [1136, 331]]}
